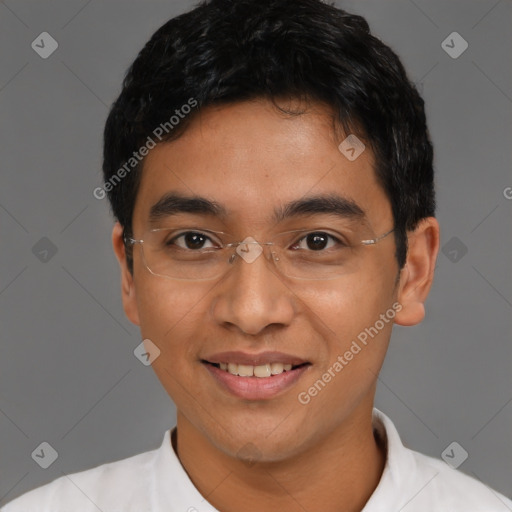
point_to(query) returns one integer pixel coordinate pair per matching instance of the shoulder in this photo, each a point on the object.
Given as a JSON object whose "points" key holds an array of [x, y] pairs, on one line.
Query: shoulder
{"points": [[453, 489], [414, 482], [112, 487]]}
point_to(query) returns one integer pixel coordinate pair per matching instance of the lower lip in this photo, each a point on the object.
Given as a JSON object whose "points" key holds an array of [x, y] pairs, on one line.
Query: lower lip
{"points": [[256, 388]]}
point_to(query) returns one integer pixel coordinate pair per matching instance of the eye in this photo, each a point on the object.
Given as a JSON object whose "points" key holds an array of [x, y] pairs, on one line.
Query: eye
{"points": [[316, 241], [191, 240]]}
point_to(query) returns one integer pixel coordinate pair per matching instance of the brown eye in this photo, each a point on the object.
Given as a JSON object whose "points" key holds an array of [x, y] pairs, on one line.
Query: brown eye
{"points": [[316, 241], [191, 240]]}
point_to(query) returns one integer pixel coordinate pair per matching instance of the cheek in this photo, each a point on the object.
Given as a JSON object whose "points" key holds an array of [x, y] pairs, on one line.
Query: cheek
{"points": [[355, 337], [163, 305], [350, 304], [170, 314], [355, 342]]}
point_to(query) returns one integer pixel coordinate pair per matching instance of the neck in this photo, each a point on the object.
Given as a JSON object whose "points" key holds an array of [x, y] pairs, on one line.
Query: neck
{"points": [[339, 472]]}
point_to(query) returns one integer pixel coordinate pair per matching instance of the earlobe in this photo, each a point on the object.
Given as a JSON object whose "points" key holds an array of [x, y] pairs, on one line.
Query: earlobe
{"points": [[127, 283], [417, 275]]}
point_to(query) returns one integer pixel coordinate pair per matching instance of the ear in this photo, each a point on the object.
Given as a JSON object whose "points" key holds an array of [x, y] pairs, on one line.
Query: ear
{"points": [[127, 283], [418, 273]]}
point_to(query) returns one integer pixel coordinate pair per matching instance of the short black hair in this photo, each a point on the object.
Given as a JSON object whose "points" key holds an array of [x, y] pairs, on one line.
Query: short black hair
{"points": [[226, 51]]}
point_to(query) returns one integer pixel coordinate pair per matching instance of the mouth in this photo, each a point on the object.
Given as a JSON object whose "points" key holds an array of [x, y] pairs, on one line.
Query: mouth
{"points": [[256, 382]]}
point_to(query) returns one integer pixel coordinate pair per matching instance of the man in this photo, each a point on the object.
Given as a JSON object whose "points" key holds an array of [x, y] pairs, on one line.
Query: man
{"points": [[270, 170]]}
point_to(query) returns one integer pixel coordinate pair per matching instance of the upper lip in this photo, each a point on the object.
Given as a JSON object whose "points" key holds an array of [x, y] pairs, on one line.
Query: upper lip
{"points": [[261, 358]]}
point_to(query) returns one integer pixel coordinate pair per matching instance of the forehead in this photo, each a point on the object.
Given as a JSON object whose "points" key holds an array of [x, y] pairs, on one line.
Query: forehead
{"points": [[251, 159]]}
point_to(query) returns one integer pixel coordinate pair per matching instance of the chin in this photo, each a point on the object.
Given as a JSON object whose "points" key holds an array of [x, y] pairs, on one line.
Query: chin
{"points": [[253, 447]]}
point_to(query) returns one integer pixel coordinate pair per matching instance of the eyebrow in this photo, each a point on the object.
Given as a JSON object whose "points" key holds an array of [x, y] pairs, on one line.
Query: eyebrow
{"points": [[174, 204], [332, 204]]}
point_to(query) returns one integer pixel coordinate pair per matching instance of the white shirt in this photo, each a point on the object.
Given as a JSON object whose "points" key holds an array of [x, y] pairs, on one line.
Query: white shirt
{"points": [[155, 481]]}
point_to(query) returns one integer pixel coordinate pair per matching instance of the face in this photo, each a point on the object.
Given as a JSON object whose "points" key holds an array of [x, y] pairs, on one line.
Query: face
{"points": [[252, 161]]}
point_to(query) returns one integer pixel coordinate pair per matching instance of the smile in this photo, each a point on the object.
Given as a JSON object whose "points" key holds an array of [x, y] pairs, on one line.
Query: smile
{"points": [[259, 382], [260, 371]]}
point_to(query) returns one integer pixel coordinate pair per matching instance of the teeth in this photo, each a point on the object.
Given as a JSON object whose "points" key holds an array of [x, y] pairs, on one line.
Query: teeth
{"points": [[276, 368], [245, 370], [261, 371]]}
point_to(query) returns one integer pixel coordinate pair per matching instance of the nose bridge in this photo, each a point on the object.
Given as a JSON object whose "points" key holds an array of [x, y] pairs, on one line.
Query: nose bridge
{"points": [[252, 296], [250, 249], [253, 269]]}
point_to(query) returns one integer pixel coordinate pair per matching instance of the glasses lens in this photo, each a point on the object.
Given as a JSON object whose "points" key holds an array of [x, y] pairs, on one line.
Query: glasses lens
{"points": [[184, 253], [321, 253], [192, 254]]}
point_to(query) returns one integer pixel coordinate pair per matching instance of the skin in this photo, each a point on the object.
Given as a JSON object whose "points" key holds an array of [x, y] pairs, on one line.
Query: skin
{"points": [[321, 456]]}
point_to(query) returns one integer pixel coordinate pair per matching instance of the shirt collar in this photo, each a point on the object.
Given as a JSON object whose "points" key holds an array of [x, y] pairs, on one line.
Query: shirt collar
{"points": [[402, 480], [174, 491], [173, 487]]}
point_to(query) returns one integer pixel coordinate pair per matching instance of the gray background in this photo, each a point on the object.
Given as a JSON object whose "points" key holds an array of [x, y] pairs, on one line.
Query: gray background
{"points": [[68, 373]]}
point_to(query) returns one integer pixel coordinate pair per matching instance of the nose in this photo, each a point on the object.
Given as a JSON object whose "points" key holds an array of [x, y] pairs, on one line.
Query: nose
{"points": [[252, 296]]}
